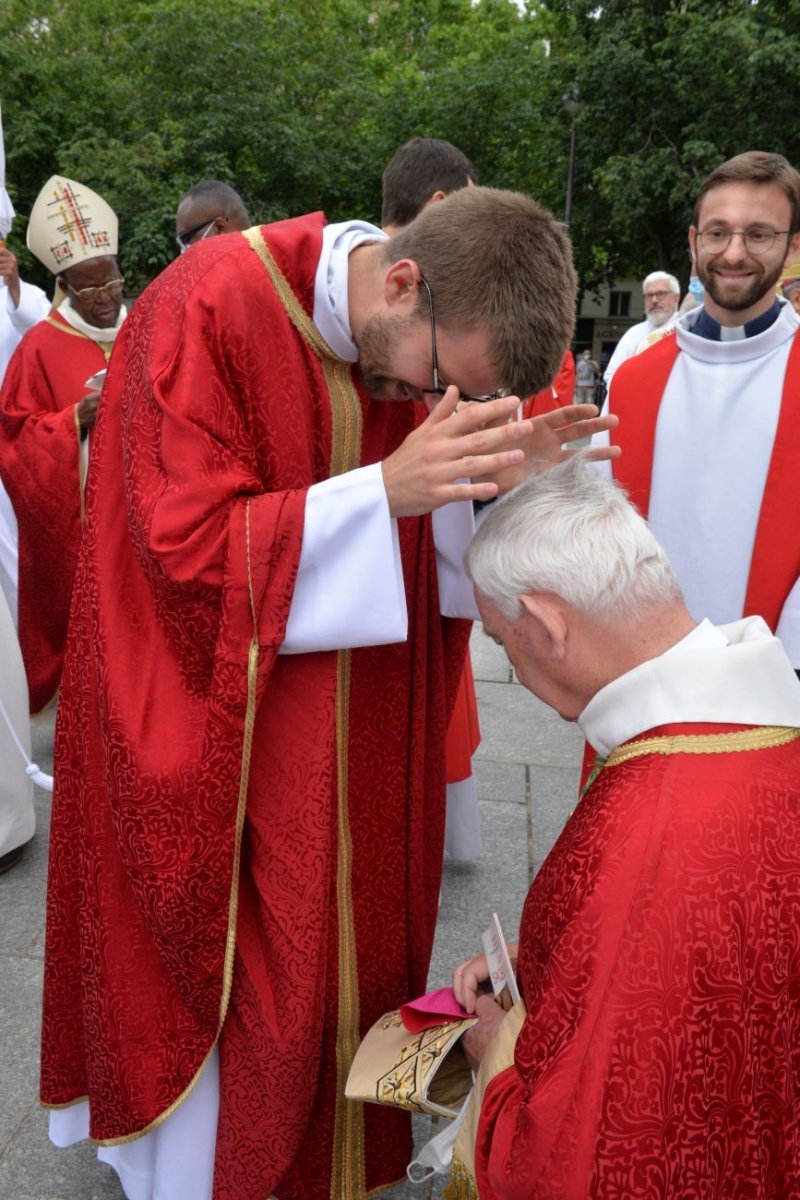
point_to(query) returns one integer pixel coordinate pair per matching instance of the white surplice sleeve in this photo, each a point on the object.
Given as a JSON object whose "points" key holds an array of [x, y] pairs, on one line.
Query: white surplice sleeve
{"points": [[33, 307], [350, 590], [453, 528]]}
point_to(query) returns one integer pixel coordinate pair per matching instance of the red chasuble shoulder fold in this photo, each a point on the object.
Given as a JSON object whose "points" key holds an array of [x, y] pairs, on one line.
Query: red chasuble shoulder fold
{"points": [[40, 467], [242, 848]]}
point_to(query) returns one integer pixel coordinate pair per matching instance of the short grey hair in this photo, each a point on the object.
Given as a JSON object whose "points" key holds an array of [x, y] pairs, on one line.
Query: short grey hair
{"points": [[662, 277], [571, 533]]}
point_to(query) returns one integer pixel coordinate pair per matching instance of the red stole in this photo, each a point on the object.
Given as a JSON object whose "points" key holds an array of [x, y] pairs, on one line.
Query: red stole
{"points": [[636, 397], [40, 467], [260, 836]]}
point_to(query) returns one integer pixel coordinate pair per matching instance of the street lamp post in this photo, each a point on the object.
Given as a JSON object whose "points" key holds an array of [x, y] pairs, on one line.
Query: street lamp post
{"points": [[571, 101]]}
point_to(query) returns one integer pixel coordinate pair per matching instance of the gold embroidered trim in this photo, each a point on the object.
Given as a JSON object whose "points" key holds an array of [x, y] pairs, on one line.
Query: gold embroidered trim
{"points": [[706, 743], [105, 347], [233, 903], [346, 413], [385, 1187], [66, 328], [66, 1104], [297, 314], [462, 1184], [345, 404], [348, 1170]]}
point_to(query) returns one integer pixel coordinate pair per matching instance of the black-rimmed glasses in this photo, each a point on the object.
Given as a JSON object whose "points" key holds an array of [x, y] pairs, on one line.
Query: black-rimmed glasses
{"points": [[438, 389]]}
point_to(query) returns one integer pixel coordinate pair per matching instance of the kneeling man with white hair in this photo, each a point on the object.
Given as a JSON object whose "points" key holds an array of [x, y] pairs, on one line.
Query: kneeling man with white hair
{"points": [[659, 952]]}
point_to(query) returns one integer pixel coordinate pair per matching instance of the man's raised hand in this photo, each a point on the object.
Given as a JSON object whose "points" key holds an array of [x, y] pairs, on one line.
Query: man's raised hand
{"points": [[478, 451]]}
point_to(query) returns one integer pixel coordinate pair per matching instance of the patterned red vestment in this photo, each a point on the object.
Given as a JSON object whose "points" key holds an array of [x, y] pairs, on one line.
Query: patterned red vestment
{"points": [[40, 468], [659, 961], [243, 844]]}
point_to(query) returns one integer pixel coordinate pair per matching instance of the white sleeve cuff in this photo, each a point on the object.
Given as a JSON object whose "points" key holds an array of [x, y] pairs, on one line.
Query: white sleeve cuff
{"points": [[349, 590], [453, 528]]}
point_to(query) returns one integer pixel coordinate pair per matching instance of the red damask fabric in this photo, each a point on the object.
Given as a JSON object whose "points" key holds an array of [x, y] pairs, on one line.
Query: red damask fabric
{"points": [[39, 466], [659, 961], [215, 421], [464, 731]]}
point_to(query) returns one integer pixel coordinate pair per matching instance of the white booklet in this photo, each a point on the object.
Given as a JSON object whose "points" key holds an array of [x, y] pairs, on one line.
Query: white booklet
{"points": [[501, 972]]}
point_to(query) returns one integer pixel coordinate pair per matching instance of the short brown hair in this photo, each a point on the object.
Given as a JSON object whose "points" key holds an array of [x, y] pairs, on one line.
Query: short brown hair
{"points": [[417, 170], [756, 166], [497, 261]]}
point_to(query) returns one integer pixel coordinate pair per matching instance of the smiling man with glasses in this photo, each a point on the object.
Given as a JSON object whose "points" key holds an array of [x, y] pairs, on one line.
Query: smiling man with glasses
{"points": [[709, 417], [48, 408]]}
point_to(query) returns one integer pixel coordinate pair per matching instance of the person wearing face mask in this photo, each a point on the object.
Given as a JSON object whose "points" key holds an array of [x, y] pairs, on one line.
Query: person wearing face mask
{"points": [[207, 209], [662, 292], [48, 407]]}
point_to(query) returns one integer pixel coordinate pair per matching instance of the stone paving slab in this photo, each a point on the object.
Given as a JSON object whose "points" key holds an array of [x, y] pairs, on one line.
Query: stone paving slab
{"points": [[516, 727]]}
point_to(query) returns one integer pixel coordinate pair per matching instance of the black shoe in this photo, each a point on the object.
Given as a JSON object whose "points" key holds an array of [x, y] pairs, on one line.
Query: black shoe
{"points": [[7, 861]]}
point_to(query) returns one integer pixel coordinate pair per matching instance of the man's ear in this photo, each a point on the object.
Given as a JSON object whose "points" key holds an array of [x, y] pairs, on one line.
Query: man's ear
{"points": [[693, 247], [549, 616], [435, 198], [401, 284]]}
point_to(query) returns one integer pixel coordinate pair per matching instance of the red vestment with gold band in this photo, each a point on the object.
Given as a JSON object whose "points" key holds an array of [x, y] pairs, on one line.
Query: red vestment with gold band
{"points": [[245, 846], [40, 467]]}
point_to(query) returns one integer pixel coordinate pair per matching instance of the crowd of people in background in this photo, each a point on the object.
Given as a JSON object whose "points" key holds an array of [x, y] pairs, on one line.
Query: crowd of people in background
{"points": [[244, 530]]}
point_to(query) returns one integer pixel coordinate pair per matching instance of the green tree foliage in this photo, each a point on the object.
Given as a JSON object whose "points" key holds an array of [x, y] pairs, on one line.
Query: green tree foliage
{"points": [[670, 89], [299, 106]]}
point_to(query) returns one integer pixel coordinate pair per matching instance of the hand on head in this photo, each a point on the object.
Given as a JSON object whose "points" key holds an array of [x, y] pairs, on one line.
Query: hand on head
{"points": [[483, 447]]}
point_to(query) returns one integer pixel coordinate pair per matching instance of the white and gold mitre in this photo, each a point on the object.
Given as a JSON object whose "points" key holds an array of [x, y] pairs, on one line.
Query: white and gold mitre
{"points": [[791, 270], [70, 224]]}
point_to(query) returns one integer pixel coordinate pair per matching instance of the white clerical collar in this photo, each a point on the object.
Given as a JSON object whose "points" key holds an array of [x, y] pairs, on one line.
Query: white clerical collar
{"points": [[94, 332], [331, 313], [735, 674], [735, 346]]}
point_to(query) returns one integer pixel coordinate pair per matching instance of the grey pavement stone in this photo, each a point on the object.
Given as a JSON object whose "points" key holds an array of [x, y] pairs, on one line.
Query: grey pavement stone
{"points": [[488, 659], [21, 1006], [22, 891], [471, 892], [33, 1169], [516, 727], [501, 781]]}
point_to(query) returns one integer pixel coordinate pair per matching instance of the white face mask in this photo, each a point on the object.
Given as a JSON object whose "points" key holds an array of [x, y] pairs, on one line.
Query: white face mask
{"points": [[436, 1155]]}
